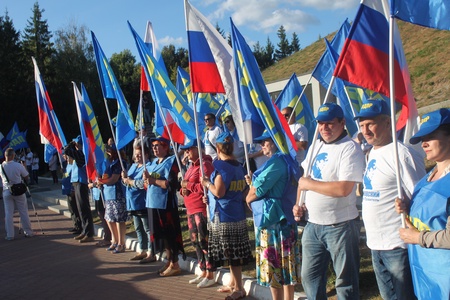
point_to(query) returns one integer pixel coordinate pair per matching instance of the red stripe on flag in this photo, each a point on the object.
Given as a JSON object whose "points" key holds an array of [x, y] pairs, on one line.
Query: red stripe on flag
{"points": [[212, 83]]}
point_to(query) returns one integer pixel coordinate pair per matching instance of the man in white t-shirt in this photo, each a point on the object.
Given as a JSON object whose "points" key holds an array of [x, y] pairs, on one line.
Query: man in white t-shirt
{"points": [[381, 221], [211, 135], [332, 231], [15, 173], [299, 132]]}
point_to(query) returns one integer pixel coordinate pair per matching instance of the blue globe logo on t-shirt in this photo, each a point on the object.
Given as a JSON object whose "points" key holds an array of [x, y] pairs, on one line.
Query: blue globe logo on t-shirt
{"points": [[368, 176], [319, 164]]}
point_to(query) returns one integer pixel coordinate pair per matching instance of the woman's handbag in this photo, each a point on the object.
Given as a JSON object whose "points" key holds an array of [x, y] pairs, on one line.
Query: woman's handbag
{"points": [[16, 189]]}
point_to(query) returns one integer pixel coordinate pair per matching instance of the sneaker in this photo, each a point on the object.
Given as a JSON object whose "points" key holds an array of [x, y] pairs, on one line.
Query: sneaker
{"points": [[206, 283], [196, 280], [9, 238], [28, 235]]}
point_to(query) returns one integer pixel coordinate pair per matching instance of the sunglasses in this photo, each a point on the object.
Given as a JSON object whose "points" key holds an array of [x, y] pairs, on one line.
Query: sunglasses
{"points": [[286, 115], [155, 145], [227, 121], [207, 119]]}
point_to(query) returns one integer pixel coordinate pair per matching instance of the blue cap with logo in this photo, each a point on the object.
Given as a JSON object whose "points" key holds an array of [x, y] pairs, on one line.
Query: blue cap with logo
{"points": [[373, 108], [263, 137], [225, 138], [329, 111], [78, 140], [430, 122]]}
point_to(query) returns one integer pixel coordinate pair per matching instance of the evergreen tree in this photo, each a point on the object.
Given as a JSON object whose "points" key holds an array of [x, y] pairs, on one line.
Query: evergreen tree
{"points": [[295, 43], [36, 40], [173, 58], [12, 89], [258, 52], [283, 49], [268, 54]]}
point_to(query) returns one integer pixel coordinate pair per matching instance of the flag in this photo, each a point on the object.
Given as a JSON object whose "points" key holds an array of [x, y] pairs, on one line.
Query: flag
{"points": [[16, 139], [49, 151], [255, 100], [139, 121], [201, 29], [184, 85], [95, 140], [49, 128], [111, 90], [330, 59], [428, 13], [364, 60], [86, 135], [13, 132], [303, 112], [205, 76], [163, 90]]}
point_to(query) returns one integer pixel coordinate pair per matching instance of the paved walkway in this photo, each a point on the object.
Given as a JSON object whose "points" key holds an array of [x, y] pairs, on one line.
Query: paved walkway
{"points": [[52, 265]]}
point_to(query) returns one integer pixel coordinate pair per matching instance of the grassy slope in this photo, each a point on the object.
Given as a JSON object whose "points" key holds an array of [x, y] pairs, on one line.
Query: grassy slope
{"points": [[427, 52]]}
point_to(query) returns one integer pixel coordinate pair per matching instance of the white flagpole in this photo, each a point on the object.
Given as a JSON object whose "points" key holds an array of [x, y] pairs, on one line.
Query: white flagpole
{"points": [[298, 99], [392, 101], [301, 194]]}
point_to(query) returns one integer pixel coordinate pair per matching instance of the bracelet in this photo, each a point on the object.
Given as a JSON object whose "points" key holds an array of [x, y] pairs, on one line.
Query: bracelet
{"points": [[207, 186]]}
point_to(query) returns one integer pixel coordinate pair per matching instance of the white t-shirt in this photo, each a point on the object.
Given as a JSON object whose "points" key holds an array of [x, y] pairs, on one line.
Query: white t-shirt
{"points": [[381, 221], [29, 159], [15, 172], [210, 141], [300, 134], [340, 161], [35, 164]]}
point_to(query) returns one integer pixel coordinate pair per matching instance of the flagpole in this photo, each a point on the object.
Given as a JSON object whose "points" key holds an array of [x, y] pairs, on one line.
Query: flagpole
{"points": [[301, 194], [113, 135], [141, 135], [298, 99], [392, 102]]}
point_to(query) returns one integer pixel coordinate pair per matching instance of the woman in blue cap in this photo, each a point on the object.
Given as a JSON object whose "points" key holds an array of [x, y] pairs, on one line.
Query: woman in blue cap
{"points": [[428, 224], [228, 243]]}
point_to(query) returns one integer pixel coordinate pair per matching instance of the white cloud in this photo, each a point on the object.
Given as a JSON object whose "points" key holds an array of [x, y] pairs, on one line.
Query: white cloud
{"points": [[328, 4], [169, 40]]}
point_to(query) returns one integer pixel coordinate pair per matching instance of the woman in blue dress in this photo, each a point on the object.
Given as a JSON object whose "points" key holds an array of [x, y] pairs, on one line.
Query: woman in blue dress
{"points": [[277, 244], [228, 243]]}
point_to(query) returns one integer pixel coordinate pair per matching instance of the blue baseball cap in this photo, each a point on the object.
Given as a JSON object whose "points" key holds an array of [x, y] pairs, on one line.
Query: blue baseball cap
{"points": [[222, 138], [78, 140], [190, 144], [263, 137], [160, 139], [329, 111], [373, 108], [430, 122]]}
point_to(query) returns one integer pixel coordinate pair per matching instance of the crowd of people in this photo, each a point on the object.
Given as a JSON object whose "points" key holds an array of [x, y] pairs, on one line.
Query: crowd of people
{"points": [[408, 261]]}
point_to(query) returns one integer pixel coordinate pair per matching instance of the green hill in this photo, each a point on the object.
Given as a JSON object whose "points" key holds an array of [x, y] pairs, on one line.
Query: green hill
{"points": [[427, 53]]}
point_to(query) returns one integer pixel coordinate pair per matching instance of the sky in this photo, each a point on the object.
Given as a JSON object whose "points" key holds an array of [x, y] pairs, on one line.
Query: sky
{"points": [[255, 19]]}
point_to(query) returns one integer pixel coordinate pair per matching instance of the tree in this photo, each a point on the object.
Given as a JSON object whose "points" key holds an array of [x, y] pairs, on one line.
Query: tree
{"points": [[295, 43], [268, 54], [12, 91], [128, 73], [73, 61], [36, 40], [283, 49], [173, 58]]}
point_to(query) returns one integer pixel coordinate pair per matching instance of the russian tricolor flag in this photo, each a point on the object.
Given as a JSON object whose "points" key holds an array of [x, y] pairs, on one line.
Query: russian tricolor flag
{"points": [[205, 77], [364, 60]]}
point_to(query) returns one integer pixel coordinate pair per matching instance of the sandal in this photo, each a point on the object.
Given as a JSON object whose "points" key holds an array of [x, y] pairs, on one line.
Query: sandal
{"points": [[225, 289], [163, 269], [119, 249], [236, 295], [112, 247]]}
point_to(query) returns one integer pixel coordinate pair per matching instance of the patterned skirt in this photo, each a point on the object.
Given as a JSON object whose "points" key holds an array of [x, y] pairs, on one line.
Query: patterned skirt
{"points": [[228, 243], [116, 210], [278, 255]]}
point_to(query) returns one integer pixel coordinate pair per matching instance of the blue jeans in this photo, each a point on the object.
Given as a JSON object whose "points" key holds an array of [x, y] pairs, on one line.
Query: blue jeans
{"points": [[142, 232], [338, 243], [393, 273]]}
